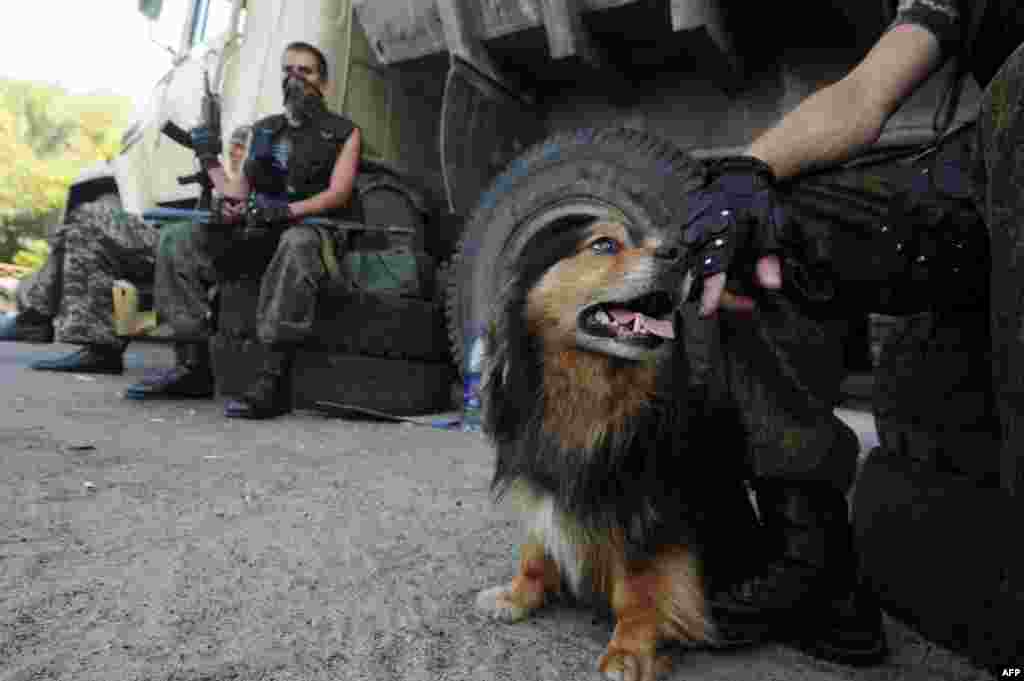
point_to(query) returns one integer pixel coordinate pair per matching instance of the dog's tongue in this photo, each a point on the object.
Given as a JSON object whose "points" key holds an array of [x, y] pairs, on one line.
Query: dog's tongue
{"points": [[641, 323]]}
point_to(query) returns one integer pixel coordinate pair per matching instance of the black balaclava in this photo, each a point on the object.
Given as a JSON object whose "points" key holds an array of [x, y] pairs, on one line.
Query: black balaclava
{"points": [[300, 105]]}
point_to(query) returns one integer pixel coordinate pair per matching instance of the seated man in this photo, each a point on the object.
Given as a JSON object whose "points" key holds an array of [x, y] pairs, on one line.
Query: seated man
{"points": [[73, 291], [301, 163]]}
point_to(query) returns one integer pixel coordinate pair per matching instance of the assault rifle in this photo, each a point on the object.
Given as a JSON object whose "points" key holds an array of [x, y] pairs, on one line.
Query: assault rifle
{"points": [[206, 217], [209, 116]]}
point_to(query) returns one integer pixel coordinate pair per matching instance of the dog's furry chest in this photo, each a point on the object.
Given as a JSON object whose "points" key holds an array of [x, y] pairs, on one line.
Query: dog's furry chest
{"points": [[565, 542], [589, 551]]}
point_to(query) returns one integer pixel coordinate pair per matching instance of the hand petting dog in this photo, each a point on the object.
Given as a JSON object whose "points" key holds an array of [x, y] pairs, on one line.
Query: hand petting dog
{"points": [[736, 213]]}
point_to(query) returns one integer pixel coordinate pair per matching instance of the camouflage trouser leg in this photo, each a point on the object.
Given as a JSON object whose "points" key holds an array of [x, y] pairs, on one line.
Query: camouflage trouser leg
{"points": [[784, 369], [1000, 169], [40, 291], [102, 245], [290, 288], [185, 274]]}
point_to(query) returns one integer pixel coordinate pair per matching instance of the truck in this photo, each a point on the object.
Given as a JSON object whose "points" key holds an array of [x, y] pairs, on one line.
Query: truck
{"points": [[463, 102], [448, 92]]}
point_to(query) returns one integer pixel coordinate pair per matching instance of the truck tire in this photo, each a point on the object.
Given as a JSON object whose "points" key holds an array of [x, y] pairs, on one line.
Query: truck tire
{"points": [[582, 175]]}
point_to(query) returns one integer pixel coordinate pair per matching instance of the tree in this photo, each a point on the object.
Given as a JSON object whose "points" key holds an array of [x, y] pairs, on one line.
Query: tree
{"points": [[47, 136]]}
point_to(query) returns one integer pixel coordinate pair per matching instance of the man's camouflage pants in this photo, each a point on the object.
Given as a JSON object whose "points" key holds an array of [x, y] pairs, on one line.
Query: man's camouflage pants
{"points": [[96, 246], [999, 174], [192, 258]]}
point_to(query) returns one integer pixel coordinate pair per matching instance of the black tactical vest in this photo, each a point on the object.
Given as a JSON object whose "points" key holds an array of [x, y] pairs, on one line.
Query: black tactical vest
{"points": [[315, 146]]}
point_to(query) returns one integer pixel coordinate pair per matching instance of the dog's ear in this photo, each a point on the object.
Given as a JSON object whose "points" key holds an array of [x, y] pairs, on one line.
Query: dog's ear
{"points": [[495, 368], [505, 380]]}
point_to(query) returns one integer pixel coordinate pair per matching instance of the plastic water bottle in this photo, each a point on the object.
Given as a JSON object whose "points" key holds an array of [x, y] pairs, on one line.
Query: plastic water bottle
{"points": [[471, 404]]}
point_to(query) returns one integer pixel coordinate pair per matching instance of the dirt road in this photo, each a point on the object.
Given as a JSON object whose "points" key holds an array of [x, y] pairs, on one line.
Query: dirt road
{"points": [[162, 541]]}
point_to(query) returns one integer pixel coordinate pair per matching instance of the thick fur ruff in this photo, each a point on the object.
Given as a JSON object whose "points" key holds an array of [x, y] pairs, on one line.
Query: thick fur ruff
{"points": [[605, 448]]}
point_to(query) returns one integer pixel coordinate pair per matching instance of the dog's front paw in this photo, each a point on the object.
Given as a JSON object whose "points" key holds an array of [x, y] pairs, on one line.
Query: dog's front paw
{"points": [[623, 665], [500, 603]]}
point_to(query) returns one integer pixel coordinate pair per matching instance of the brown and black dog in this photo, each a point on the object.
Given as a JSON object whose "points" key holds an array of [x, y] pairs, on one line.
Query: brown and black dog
{"points": [[626, 476]]}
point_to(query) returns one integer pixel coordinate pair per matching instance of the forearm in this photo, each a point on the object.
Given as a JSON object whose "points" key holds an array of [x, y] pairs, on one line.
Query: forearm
{"points": [[236, 187], [830, 126], [320, 204], [342, 184]]}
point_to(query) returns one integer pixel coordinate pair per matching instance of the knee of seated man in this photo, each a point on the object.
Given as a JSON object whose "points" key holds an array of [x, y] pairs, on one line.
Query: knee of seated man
{"points": [[174, 236], [300, 237]]}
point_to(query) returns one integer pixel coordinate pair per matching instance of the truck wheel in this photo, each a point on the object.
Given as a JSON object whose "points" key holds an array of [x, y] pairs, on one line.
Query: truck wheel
{"points": [[572, 177]]}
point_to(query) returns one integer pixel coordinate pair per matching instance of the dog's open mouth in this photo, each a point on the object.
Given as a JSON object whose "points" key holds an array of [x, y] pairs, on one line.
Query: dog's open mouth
{"points": [[646, 320]]}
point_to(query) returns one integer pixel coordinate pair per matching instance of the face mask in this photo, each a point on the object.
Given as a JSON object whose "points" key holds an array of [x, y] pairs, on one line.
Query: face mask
{"points": [[299, 105]]}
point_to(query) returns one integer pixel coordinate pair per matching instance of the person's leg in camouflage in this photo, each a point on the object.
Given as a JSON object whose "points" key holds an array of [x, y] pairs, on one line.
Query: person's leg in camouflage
{"points": [[38, 295], [104, 244], [285, 314], [37, 298], [1000, 167], [184, 277], [999, 172]]}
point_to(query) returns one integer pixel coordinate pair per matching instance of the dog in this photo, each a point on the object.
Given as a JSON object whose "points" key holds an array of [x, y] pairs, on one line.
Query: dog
{"points": [[602, 442]]}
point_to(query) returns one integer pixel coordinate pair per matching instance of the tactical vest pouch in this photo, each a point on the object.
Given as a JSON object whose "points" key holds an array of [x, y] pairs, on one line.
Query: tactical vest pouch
{"points": [[259, 165]]}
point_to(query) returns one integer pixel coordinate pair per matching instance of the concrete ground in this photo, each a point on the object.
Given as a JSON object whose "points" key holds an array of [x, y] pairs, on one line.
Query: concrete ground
{"points": [[163, 541]]}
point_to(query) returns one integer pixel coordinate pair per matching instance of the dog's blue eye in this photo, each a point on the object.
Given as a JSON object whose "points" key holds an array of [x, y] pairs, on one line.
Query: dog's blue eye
{"points": [[605, 246]]}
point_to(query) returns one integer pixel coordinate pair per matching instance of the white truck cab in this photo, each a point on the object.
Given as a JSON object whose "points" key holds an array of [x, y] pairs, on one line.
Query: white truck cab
{"points": [[238, 44]]}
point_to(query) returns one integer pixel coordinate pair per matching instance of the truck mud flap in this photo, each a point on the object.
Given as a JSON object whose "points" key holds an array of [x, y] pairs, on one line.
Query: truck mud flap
{"points": [[483, 126], [935, 548]]}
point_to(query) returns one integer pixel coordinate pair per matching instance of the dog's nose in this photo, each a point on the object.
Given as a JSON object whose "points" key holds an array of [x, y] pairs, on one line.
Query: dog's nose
{"points": [[667, 252]]}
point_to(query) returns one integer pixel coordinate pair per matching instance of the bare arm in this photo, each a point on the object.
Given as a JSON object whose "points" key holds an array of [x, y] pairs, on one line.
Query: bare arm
{"points": [[846, 117], [834, 124], [234, 187], [339, 191]]}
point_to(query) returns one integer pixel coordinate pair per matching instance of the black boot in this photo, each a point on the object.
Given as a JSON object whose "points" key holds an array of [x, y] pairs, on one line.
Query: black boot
{"points": [[270, 394], [91, 359], [808, 594], [27, 326], [191, 376]]}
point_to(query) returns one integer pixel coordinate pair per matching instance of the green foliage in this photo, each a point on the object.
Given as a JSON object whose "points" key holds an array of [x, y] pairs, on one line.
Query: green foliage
{"points": [[33, 253], [47, 136]]}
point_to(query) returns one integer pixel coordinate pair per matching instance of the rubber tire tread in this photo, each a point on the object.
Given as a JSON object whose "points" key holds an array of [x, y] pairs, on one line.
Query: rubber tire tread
{"points": [[641, 175]]}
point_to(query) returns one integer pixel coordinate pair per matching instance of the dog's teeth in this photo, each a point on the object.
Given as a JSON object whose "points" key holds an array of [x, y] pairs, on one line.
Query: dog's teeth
{"points": [[603, 317]]}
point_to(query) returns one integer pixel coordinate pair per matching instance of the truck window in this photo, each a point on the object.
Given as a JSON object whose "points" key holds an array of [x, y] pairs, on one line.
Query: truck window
{"points": [[212, 19]]}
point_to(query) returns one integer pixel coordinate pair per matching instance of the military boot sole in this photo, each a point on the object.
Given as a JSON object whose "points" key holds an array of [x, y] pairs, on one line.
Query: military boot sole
{"points": [[858, 640], [54, 365], [236, 409], [28, 337], [851, 633], [174, 383], [12, 332], [132, 393], [872, 653]]}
